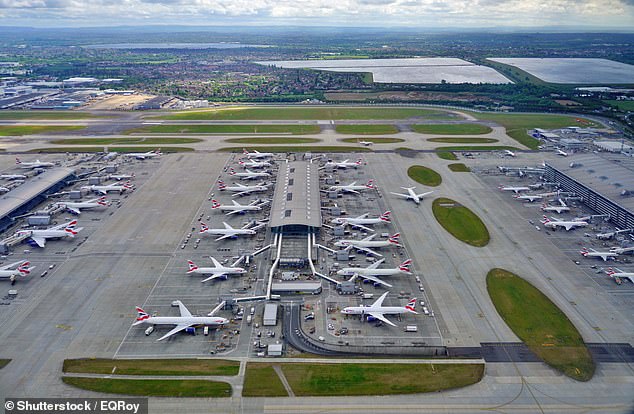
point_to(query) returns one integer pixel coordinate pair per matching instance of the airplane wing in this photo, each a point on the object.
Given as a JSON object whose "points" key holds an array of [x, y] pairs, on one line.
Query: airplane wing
{"points": [[375, 264], [184, 311], [235, 203], [226, 236], [100, 191], [568, 226], [214, 276], [379, 301], [370, 237], [367, 250], [40, 241], [401, 195], [362, 216], [359, 226], [375, 280], [215, 262], [74, 210], [380, 317], [233, 212], [216, 309], [9, 266], [228, 227], [241, 193], [424, 194], [348, 190], [176, 329]]}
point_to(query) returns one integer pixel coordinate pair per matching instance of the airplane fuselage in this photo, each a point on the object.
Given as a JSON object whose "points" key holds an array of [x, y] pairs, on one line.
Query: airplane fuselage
{"points": [[192, 320]]}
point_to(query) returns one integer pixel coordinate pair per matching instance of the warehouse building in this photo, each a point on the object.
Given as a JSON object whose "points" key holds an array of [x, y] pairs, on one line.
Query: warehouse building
{"points": [[270, 315]]}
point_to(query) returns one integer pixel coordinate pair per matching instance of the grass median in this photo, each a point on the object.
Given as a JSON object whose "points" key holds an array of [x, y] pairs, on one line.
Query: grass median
{"points": [[452, 129], [371, 129], [459, 167], [125, 141], [424, 175], [302, 148], [261, 380], [57, 150], [226, 129], [463, 140], [446, 155], [178, 367], [4, 362], [461, 222], [373, 140], [538, 322], [19, 130], [152, 388], [272, 140]]}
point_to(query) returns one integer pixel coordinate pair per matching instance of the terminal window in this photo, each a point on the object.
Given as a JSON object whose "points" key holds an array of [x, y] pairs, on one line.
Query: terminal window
{"points": [[291, 181], [289, 197], [287, 213]]}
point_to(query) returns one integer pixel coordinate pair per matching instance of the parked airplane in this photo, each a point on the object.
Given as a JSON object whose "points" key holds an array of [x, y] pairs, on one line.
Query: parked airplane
{"points": [[254, 164], [226, 232], [593, 253], [182, 322], [378, 311], [13, 177], [510, 153], [516, 189], [248, 174], [56, 232], [22, 270], [143, 155], [557, 209], [120, 177], [35, 164], [359, 221], [218, 271], [529, 197], [568, 225], [366, 143], [76, 206], [620, 274], [371, 272], [352, 187], [411, 194], [343, 164], [236, 207], [562, 153], [622, 250], [241, 189], [105, 189], [256, 154], [365, 244], [4, 189]]}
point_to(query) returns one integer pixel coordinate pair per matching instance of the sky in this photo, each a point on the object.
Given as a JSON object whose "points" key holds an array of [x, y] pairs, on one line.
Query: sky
{"points": [[613, 14]]}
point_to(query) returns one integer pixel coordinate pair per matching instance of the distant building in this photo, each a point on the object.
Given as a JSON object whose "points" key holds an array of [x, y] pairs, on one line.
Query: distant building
{"points": [[614, 146]]}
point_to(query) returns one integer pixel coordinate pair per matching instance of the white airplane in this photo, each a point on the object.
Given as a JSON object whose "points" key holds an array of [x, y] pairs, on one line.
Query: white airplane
{"points": [[35, 164], [143, 155], [366, 143], [562, 153], [509, 153], [236, 207], [254, 164], [182, 322], [4, 189], [226, 232], [621, 250], [105, 189], [557, 209], [257, 154], [365, 244], [218, 271], [553, 223], [248, 174], [411, 194], [371, 272], [120, 177], [378, 311], [359, 221], [13, 177], [529, 197], [593, 253], [516, 190], [241, 189], [344, 164], [22, 270], [352, 187], [75, 206], [620, 274], [56, 232]]}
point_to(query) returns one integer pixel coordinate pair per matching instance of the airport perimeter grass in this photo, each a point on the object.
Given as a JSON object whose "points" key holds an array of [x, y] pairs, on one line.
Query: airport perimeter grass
{"points": [[373, 140], [226, 129], [55, 150], [4, 362], [125, 141], [302, 148], [56, 115], [459, 167], [461, 222], [463, 140], [622, 105], [261, 380], [378, 379], [273, 140], [152, 388], [475, 148], [452, 129], [446, 155], [424, 175], [178, 367], [366, 129], [309, 113], [538, 322], [19, 130]]}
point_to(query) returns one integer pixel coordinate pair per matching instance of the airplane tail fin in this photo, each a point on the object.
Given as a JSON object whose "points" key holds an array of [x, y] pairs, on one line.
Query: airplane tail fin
{"points": [[404, 267], [71, 232], [102, 201], [545, 219], [386, 217], [203, 227], [359, 161], [141, 316], [192, 266], [17, 161], [584, 251], [411, 305], [24, 268], [245, 152], [394, 238], [370, 184], [232, 171], [221, 185], [215, 204]]}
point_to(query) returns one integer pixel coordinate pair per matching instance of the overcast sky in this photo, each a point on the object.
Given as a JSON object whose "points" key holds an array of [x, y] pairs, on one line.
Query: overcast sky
{"points": [[617, 14]]}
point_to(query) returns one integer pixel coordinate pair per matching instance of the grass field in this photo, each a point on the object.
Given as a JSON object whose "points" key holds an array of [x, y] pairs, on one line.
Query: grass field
{"points": [[452, 129], [273, 140], [540, 324], [152, 388], [35, 129], [226, 129], [461, 222], [424, 175], [476, 148], [446, 155], [378, 379], [114, 149], [303, 148], [57, 115], [260, 380], [366, 129], [125, 141], [374, 140], [310, 112], [459, 167], [4, 362], [463, 140], [179, 367], [622, 105]]}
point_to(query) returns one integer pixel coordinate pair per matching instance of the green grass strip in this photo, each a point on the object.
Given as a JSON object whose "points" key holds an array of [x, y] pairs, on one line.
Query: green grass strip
{"points": [[178, 367], [152, 388], [374, 140], [463, 140], [475, 148], [125, 141], [261, 380], [226, 129], [461, 222], [459, 167], [19, 130], [272, 140], [4, 362], [622, 105], [452, 129], [57, 115], [303, 148], [370, 129], [538, 322], [446, 155], [57, 150], [424, 175]]}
